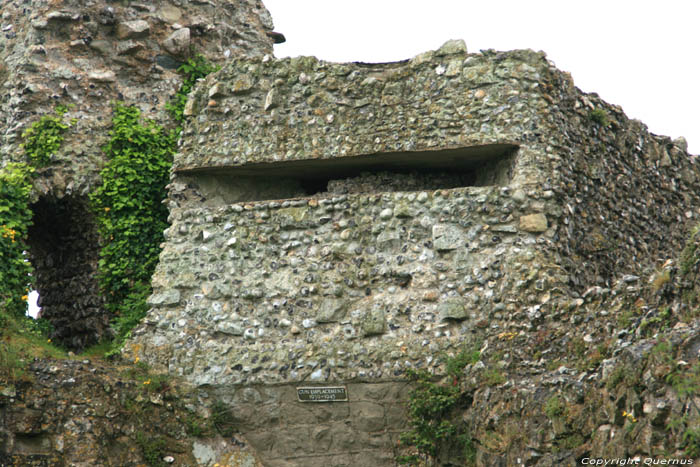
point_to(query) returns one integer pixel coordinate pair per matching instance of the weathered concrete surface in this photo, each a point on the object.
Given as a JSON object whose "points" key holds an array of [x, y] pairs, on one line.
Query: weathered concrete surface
{"points": [[286, 432]]}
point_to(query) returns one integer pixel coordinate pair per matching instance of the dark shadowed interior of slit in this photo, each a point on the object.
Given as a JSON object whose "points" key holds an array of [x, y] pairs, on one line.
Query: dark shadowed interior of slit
{"points": [[487, 165], [64, 251]]}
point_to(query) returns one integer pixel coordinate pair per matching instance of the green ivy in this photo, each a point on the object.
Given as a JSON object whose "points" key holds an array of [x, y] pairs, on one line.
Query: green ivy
{"points": [[15, 219], [130, 214], [128, 205], [44, 137], [194, 69]]}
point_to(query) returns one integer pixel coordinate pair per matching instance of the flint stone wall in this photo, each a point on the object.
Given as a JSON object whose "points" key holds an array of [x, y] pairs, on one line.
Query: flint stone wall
{"points": [[353, 278], [265, 282], [364, 285], [84, 56], [87, 55]]}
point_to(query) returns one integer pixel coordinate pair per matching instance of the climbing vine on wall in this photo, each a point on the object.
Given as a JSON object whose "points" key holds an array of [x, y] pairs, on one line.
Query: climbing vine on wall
{"points": [[128, 206], [15, 219], [129, 210], [40, 142], [44, 137]]}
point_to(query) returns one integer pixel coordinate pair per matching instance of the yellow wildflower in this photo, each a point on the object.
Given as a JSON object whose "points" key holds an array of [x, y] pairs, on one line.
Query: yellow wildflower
{"points": [[147, 382], [9, 233]]}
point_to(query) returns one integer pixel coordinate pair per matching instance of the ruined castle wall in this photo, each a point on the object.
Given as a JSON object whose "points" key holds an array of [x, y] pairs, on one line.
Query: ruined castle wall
{"points": [[368, 273], [89, 55], [85, 56], [344, 223], [629, 197], [266, 285], [340, 224]]}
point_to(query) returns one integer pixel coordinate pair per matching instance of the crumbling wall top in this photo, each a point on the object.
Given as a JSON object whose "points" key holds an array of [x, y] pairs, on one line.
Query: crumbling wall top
{"points": [[86, 55]]}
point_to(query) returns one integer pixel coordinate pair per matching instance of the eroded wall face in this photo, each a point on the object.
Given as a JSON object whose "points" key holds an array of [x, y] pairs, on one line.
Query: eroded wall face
{"points": [[631, 198], [85, 56], [266, 283], [64, 251], [354, 286]]}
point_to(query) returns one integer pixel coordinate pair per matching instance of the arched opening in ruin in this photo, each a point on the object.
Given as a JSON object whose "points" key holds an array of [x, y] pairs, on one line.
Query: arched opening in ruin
{"points": [[485, 165], [64, 251]]}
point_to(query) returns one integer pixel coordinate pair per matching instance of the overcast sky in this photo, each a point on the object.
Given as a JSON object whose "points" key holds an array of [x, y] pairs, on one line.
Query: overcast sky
{"points": [[642, 55]]}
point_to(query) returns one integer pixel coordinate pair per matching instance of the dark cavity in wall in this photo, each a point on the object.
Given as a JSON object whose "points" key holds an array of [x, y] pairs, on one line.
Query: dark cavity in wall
{"points": [[64, 250], [406, 171]]}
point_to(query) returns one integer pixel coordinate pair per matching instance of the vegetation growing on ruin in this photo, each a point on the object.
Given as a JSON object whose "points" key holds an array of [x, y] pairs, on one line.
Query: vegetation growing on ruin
{"points": [[467, 356], [221, 416], [44, 137], [555, 406], [684, 378], [128, 205], [130, 214], [153, 449], [688, 255], [23, 340], [431, 411], [599, 116], [15, 219], [194, 69]]}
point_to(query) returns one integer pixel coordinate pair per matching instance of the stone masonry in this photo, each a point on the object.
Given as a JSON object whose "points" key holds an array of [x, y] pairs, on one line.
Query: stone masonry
{"points": [[84, 56], [291, 261], [341, 224]]}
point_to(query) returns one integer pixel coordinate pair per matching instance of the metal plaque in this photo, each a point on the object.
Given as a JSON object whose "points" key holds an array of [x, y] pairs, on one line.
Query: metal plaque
{"points": [[323, 394]]}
